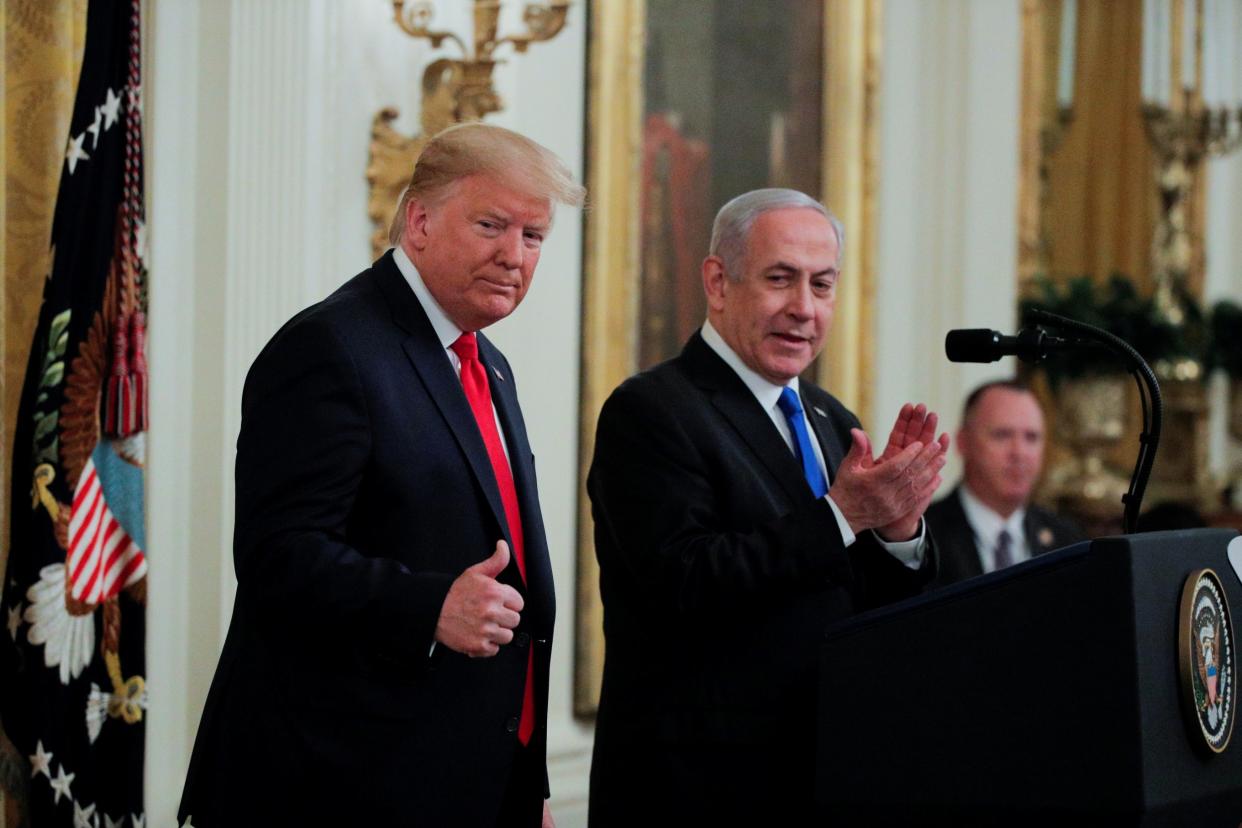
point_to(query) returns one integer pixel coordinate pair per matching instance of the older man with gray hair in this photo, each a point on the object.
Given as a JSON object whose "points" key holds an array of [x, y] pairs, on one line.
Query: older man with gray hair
{"points": [[738, 511]]}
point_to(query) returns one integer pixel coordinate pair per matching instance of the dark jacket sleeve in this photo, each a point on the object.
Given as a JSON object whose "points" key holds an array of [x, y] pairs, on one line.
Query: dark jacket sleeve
{"points": [[304, 446]]}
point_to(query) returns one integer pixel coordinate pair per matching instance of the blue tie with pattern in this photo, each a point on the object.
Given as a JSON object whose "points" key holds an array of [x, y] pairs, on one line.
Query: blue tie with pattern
{"points": [[791, 407]]}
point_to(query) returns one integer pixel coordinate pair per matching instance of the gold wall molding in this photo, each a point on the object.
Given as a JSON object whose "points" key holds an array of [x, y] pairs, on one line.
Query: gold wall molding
{"points": [[852, 74], [1034, 79], [610, 289], [610, 344]]}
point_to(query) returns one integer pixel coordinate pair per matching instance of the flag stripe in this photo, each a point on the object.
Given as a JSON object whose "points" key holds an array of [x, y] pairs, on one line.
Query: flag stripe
{"points": [[103, 559]]}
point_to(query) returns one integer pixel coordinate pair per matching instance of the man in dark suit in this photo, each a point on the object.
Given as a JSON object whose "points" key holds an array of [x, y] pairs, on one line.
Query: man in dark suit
{"points": [[387, 660], [988, 521], [738, 512]]}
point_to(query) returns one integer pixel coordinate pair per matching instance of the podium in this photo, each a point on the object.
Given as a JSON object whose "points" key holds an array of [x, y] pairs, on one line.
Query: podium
{"points": [[1047, 693]]}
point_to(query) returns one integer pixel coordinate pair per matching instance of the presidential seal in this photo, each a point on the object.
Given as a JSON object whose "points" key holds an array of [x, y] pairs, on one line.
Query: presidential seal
{"points": [[1205, 653]]}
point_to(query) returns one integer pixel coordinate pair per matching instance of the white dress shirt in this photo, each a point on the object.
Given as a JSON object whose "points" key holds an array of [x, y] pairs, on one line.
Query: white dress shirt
{"points": [[987, 526], [767, 394]]}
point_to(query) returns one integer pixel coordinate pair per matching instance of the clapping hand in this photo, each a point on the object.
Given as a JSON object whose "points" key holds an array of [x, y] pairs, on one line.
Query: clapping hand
{"points": [[891, 493]]}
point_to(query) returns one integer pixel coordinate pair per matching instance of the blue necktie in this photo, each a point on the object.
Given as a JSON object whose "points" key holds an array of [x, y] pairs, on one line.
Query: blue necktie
{"points": [[791, 407]]}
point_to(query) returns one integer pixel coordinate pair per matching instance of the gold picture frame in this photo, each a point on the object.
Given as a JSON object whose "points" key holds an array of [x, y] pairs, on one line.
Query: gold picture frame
{"points": [[610, 316]]}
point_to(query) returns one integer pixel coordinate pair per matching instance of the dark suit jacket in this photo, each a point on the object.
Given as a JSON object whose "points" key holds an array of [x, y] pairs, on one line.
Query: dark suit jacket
{"points": [[719, 572], [959, 558], [363, 490]]}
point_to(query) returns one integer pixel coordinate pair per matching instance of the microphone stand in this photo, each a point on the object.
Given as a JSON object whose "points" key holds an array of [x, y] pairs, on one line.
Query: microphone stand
{"points": [[1149, 393]]}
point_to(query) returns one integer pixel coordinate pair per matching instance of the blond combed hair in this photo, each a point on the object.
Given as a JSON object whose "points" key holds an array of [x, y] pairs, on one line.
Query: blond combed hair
{"points": [[476, 148]]}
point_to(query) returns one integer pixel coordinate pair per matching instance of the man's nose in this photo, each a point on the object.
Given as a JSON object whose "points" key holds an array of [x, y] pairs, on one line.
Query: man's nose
{"points": [[801, 303], [510, 251]]}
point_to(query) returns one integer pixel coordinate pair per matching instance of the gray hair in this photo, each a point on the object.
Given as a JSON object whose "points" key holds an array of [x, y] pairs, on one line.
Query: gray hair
{"points": [[733, 223]]}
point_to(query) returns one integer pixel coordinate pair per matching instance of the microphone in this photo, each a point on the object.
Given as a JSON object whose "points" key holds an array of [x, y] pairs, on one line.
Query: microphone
{"points": [[1033, 344], [984, 345]]}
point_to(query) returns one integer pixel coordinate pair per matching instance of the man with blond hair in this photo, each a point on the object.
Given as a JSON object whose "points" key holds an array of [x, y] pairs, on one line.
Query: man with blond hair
{"points": [[387, 660]]}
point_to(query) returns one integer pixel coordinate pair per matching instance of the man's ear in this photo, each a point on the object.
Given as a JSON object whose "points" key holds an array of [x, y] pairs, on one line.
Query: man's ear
{"points": [[714, 282], [416, 219]]}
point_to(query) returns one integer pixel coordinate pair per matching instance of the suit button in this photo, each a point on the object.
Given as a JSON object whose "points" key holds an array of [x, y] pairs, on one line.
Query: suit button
{"points": [[521, 639], [512, 725]]}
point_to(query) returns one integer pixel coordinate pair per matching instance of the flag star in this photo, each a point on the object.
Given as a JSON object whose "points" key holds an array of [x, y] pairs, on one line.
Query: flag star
{"points": [[15, 621], [109, 822], [135, 99], [139, 820], [93, 129], [111, 109], [40, 762], [84, 817], [61, 784], [74, 153]]}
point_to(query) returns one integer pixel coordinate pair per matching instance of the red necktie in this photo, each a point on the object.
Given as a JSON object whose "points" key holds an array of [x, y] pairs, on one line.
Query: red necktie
{"points": [[479, 395]]}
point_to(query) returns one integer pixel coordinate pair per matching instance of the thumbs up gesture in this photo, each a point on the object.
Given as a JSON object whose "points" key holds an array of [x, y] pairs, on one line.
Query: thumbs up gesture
{"points": [[480, 613]]}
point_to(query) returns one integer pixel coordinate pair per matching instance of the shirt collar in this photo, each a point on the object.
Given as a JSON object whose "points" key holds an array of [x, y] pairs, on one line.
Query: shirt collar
{"points": [[446, 330], [765, 392], [986, 523]]}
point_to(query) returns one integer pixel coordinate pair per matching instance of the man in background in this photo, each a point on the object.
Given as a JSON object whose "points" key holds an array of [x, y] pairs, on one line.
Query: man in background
{"points": [[988, 522], [738, 512], [387, 659]]}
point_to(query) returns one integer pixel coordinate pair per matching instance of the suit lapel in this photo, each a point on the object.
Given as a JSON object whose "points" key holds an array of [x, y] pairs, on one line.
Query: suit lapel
{"points": [[734, 401], [432, 366], [1039, 537], [826, 433], [967, 563]]}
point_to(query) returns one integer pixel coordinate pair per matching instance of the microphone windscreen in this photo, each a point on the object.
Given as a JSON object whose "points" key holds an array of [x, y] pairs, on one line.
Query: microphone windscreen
{"points": [[972, 345]]}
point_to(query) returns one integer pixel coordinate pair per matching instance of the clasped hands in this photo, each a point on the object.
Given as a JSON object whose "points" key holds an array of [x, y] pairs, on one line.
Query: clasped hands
{"points": [[480, 613], [891, 493]]}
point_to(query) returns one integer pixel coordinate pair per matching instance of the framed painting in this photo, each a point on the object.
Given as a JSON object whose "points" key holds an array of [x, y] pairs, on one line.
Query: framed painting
{"points": [[691, 102]]}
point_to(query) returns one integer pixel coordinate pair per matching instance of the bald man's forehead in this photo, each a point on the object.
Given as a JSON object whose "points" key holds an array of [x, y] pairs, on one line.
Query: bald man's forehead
{"points": [[1007, 404]]}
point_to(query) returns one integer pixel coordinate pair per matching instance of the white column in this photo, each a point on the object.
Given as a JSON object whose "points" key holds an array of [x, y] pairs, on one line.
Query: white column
{"points": [[949, 108], [1223, 280]]}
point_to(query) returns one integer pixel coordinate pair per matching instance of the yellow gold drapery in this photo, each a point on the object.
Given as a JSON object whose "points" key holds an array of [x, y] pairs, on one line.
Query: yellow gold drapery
{"points": [[43, 46]]}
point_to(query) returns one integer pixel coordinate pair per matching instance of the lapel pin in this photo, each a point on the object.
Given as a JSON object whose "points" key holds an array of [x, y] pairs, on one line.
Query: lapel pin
{"points": [[821, 412], [1045, 537], [499, 375]]}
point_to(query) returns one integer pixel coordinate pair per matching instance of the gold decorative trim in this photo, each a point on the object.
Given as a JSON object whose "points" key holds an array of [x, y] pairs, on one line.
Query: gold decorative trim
{"points": [[609, 295], [1034, 61], [610, 290], [852, 69]]}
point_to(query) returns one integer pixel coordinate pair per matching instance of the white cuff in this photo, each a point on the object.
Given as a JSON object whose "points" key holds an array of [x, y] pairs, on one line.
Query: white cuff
{"points": [[847, 534], [909, 552]]}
